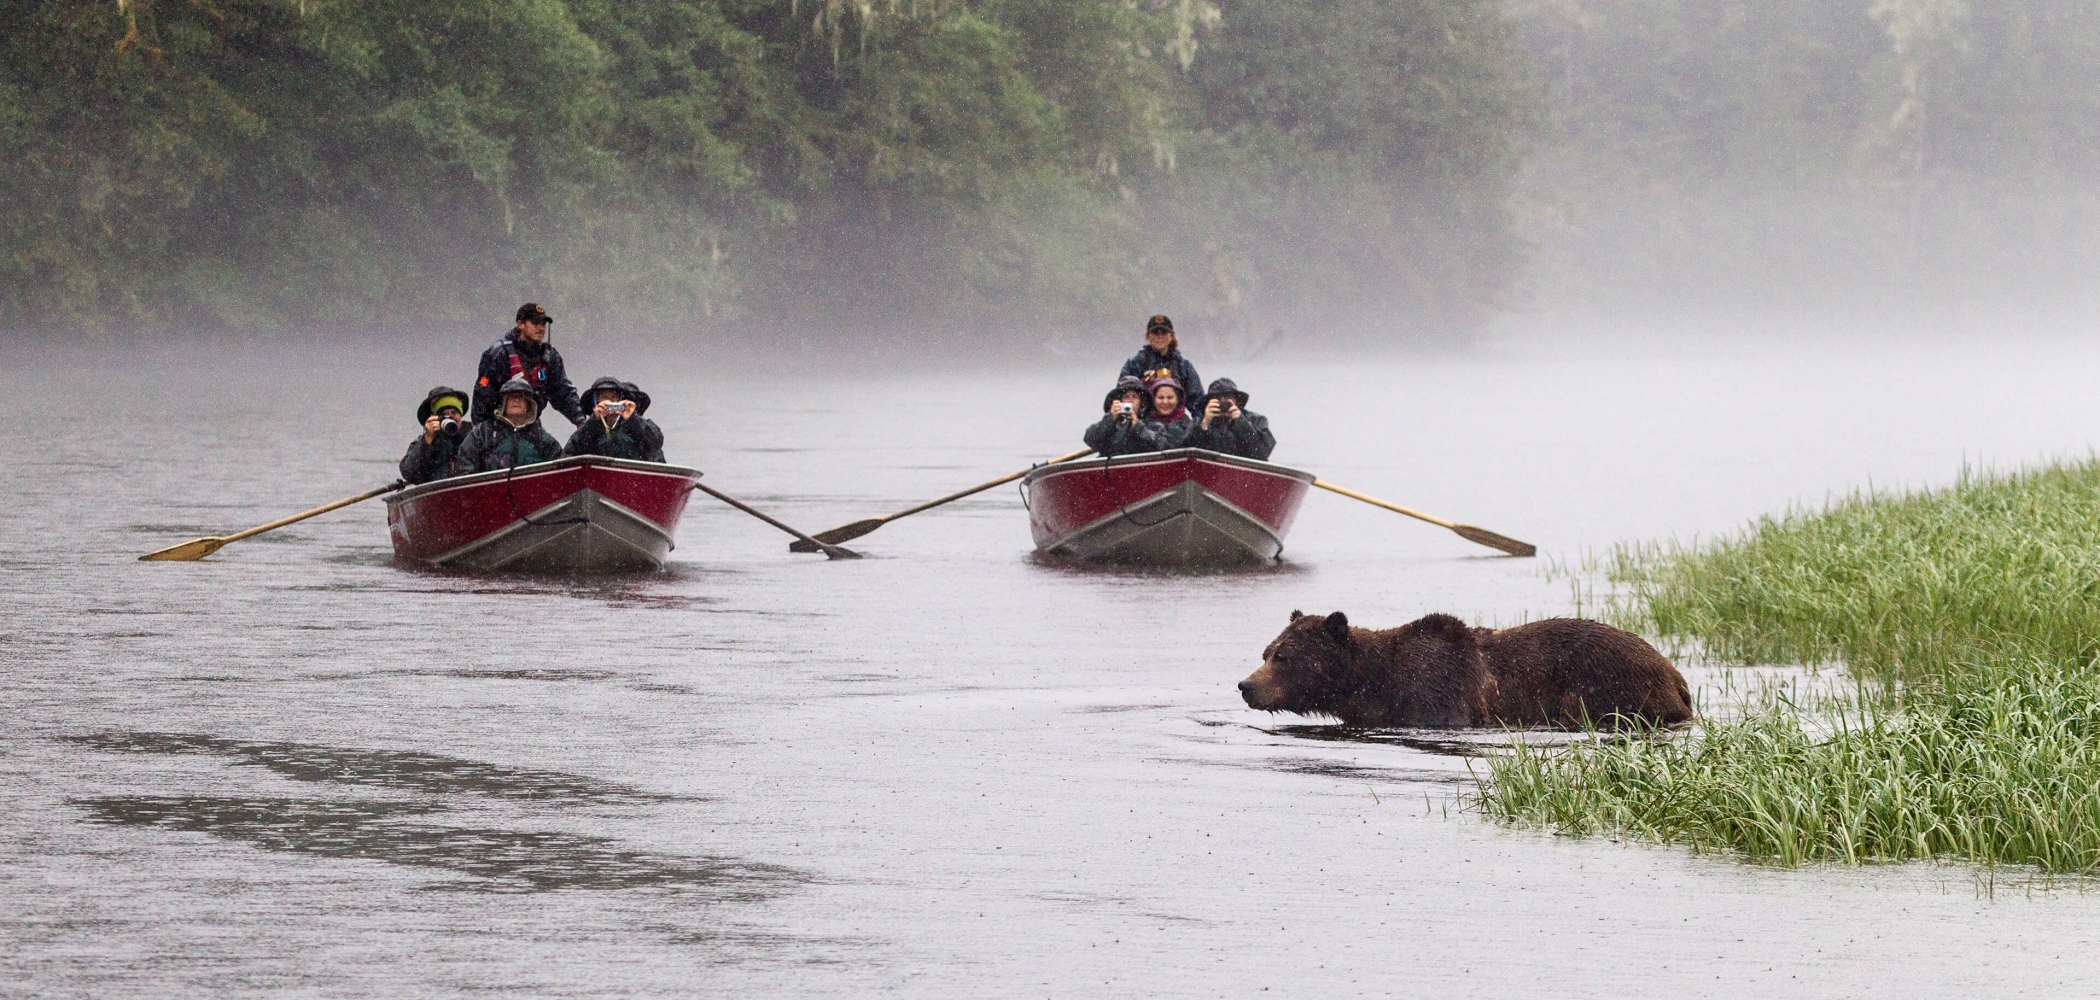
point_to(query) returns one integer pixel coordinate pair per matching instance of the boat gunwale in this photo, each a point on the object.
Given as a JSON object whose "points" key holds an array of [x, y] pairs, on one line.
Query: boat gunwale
{"points": [[538, 469], [1044, 472]]}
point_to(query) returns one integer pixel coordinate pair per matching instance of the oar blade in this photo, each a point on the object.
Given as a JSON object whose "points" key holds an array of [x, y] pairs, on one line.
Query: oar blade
{"points": [[1494, 541], [842, 533], [190, 551]]}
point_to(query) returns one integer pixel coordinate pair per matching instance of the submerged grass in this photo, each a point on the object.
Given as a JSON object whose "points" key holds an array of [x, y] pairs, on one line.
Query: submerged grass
{"points": [[1968, 616]]}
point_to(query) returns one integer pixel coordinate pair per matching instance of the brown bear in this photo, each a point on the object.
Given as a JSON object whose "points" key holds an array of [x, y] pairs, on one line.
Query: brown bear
{"points": [[1439, 672], [1572, 671]]}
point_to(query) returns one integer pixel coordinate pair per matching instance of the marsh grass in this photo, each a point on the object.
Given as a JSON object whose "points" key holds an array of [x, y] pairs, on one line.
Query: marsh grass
{"points": [[1965, 620]]}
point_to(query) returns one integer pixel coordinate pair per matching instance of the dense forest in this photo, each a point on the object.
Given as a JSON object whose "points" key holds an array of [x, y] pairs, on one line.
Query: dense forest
{"points": [[1352, 170]]}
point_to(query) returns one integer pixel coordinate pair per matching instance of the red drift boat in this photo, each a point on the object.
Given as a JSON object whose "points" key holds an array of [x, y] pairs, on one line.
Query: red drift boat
{"points": [[1175, 508], [575, 515]]}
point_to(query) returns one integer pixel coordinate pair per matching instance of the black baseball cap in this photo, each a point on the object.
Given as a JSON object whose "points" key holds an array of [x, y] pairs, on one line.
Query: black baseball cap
{"points": [[1159, 323], [532, 311]]}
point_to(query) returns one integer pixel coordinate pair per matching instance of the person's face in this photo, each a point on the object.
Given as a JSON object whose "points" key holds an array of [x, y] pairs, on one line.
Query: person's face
{"points": [[1134, 398], [1165, 399], [448, 413], [608, 395], [1159, 339], [532, 332], [516, 406]]}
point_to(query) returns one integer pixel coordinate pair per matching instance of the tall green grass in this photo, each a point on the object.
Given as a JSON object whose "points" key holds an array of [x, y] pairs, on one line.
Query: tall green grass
{"points": [[1970, 616]]}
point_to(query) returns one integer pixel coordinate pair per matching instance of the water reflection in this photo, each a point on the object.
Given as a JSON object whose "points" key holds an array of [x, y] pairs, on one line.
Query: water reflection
{"points": [[501, 860], [396, 769]]}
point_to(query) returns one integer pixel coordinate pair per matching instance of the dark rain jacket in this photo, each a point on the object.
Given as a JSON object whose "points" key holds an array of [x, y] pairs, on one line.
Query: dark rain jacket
{"points": [[541, 367], [428, 463], [637, 438], [1148, 364], [1159, 435], [1247, 437], [1110, 437], [494, 444]]}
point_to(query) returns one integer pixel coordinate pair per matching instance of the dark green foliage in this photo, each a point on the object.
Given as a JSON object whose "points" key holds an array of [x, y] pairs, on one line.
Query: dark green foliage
{"points": [[1351, 162], [1968, 617], [687, 164]]}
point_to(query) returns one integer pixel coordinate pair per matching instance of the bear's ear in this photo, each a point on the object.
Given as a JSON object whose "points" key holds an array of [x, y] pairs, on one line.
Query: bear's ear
{"points": [[1295, 615], [1338, 627]]}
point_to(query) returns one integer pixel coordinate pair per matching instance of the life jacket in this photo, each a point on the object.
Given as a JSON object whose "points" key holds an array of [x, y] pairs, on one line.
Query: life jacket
{"points": [[534, 374], [1165, 367]]}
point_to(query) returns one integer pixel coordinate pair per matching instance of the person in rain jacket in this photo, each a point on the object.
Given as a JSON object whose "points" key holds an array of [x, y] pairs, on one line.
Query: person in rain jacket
{"points": [[615, 427], [1167, 423], [1161, 358], [512, 438], [1121, 411], [431, 456], [1229, 427], [525, 353]]}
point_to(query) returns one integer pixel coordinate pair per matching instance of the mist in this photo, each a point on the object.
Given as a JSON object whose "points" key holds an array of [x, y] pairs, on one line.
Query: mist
{"points": [[997, 181]]}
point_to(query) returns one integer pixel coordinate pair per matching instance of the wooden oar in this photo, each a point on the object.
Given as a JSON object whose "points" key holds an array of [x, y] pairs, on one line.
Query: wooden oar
{"points": [[849, 532], [1465, 531], [832, 551], [198, 548]]}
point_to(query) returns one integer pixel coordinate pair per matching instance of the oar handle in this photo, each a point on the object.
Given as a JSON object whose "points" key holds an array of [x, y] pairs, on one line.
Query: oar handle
{"points": [[1375, 502], [316, 512], [981, 487]]}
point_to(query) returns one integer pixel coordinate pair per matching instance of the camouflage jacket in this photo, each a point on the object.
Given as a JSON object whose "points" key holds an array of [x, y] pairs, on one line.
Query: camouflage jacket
{"points": [[426, 463], [637, 438], [495, 444], [1247, 437]]}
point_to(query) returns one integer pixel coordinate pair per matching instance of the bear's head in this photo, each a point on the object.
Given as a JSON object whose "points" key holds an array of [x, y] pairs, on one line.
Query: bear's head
{"points": [[1307, 669]]}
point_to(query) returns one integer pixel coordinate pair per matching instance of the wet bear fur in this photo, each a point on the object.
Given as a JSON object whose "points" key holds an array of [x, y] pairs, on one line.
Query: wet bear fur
{"points": [[1428, 673], [1569, 672], [1439, 672]]}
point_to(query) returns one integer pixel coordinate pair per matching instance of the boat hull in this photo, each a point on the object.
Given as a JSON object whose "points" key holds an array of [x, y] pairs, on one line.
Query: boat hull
{"points": [[582, 515], [1186, 507]]}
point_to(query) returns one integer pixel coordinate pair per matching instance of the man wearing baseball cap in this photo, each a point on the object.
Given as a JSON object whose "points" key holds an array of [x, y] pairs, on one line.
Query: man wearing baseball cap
{"points": [[525, 353]]}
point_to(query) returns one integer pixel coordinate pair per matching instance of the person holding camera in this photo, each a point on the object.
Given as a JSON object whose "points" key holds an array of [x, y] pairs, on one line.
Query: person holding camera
{"points": [[513, 438], [1167, 423], [615, 427], [525, 353], [1229, 427], [1161, 357], [1116, 432], [430, 457]]}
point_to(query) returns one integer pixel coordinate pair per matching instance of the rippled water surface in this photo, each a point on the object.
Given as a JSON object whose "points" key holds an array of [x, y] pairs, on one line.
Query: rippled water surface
{"points": [[949, 769]]}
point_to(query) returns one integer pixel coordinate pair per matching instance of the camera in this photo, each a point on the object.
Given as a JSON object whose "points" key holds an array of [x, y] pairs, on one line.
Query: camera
{"points": [[448, 424], [1125, 409]]}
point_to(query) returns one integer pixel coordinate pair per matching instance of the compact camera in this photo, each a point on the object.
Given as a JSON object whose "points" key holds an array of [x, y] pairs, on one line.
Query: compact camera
{"points": [[1126, 409]]}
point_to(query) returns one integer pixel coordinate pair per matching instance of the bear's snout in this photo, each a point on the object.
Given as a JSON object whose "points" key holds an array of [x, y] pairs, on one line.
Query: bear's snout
{"points": [[1260, 690]]}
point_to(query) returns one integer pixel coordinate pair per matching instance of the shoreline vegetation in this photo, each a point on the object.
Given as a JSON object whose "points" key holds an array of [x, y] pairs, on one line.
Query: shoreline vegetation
{"points": [[1967, 621]]}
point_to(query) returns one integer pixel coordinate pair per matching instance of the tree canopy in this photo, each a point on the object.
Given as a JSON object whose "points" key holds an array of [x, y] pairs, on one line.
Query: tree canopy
{"points": [[1027, 170], [696, 165]]}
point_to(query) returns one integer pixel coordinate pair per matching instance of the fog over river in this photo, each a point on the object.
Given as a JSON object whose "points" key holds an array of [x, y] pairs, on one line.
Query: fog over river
{"points": [[946, 770]]}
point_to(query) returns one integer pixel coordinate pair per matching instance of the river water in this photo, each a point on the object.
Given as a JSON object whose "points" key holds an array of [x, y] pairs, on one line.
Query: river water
{"points": [[948, 769]]}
